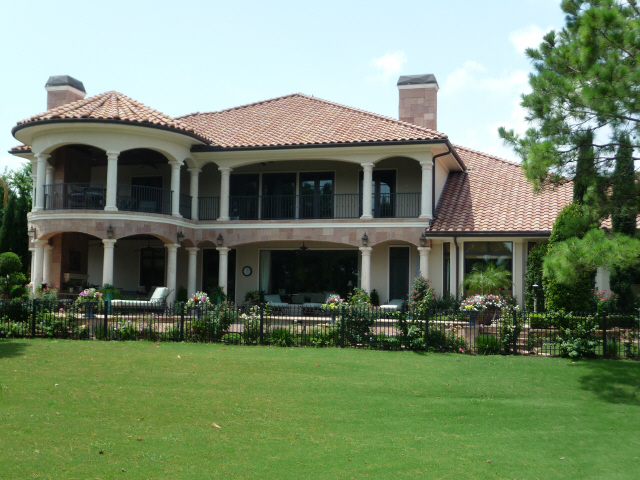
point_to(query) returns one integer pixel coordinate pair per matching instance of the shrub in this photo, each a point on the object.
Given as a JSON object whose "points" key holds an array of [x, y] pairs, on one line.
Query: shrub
{"points": [[450, 303], [150, 333], [181, 294], [251, 326], [9, 263], [488, 345], [232, 338], [422, 296], [108, 289], [441, 340], [359, 297], [281, 337], [324, 336], [375, 298], [358, 322], [579, 342]]}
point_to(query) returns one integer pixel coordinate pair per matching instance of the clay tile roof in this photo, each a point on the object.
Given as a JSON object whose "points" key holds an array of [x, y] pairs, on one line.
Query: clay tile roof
{"points": [[21, 148], [493, 195], [113, 106], [299, 119]]}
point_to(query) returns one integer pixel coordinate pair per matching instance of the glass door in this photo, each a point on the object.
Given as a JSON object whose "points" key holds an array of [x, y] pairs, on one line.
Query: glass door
{"points": [[278, 196], [316, 195], [398, 273], [243, 196]]}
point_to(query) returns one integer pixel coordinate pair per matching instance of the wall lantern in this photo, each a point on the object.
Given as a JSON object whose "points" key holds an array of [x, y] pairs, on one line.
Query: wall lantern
{"points": [[220, 240], [32, 233], [423, 240], [110, 232], [180, 237], [365, 240]]}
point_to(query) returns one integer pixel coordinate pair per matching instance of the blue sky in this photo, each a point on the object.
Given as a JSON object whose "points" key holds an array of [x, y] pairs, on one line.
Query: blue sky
{"points": [[185, 56]]}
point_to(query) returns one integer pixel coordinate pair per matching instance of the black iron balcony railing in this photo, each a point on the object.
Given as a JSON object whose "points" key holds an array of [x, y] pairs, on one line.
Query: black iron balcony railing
{"points": [[208, 208], [396, 205], [185, 206], [87, 196], [135, 198], [289, 207]]}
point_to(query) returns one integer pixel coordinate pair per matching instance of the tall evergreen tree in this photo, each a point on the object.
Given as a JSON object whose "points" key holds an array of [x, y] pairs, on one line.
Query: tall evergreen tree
{"points": [[13, 232]]}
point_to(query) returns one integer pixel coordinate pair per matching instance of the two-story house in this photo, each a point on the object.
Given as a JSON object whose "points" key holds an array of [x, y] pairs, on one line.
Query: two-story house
{"points": [[292, 195]]}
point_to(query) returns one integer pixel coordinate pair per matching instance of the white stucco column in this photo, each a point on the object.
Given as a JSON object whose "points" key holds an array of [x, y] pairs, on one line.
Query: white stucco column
{"points": [[112, 181], [223, 268], [424, 261], [365, 275], [107, 261], [453, 269], [193, 191], [172, 269], [33, 258], [34, 177], [426, 207], [50, 171], [38, 264], [46, 264], [367, 191], [225, 173], [193, 270], [175, 188], [41, 175]]}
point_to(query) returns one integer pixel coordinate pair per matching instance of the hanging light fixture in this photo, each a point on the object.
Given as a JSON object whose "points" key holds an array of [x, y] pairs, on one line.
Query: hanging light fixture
{"points": [[220, 240], [180, 237], [32, 233], [303, 247], [365, 240], [110, 232]]}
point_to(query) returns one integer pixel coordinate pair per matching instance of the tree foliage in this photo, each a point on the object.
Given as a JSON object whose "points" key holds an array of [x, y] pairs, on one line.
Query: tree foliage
{"points": [[488, 278], [584, 112]]}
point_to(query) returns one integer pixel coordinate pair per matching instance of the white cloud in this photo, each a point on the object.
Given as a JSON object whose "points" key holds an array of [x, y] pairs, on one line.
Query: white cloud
{"points": [[388, 66], [10, 162], [528, 37], [473, 76]]}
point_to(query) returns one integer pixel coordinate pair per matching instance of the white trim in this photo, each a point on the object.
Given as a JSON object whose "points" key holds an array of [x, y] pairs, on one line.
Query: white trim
{"points": [[65, 88], [419, 85]]}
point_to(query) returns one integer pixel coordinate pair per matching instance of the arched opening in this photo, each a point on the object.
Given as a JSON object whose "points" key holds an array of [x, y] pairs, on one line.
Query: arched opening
{"points": [[395, 187], [71, 179]]}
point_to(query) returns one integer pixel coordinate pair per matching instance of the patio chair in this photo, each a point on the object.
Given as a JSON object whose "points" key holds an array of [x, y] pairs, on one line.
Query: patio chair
{"points": [[275, 301], [158, 301], [393, 305]]}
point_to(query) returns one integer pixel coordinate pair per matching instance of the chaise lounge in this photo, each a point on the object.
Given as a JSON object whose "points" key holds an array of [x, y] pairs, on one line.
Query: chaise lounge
{"points": [[157, 301]]}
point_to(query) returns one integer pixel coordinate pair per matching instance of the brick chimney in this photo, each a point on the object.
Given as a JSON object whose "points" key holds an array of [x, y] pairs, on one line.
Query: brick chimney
{"points": [[63, 89], [419, 100]]}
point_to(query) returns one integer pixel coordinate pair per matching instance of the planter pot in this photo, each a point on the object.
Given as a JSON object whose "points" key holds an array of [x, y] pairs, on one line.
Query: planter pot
{"points": [[473, 318], [487, 316]]}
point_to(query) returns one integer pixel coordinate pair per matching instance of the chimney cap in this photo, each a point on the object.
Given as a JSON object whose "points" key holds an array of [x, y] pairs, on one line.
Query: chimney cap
{"points": [[417, 79], [62, 80]]}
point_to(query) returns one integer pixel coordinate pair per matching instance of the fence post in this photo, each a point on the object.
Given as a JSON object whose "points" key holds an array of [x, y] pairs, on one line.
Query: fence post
{"points": [[342, 322], [515, 334], [181, 320], [33, 318], [604, 334], [106, 323], [261, 323], [426, 331]]}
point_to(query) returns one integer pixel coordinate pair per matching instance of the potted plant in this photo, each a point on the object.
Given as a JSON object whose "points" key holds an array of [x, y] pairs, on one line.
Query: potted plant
{"points": [[489, 279], [92, 298]]}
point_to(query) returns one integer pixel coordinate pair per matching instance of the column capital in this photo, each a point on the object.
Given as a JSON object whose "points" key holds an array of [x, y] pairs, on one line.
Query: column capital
{"points": [[194, 171], [223, 250], [32, 249], [109, 242], [47, 246], [112, 153], [367, 166], [175, 165], [426, 164], [424, 249], [41, 243], [172, 247], [366, 250], [43, 157], [225, 170], [193, 250]]}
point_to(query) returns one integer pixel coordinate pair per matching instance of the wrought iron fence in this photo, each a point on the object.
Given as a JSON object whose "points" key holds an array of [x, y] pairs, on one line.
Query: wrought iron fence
{"points": [[64, 196], [136, 198], [508, 332]]}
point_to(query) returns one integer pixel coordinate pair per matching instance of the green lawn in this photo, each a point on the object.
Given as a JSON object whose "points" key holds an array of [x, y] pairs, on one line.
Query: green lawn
{"points": [[310, 413]]}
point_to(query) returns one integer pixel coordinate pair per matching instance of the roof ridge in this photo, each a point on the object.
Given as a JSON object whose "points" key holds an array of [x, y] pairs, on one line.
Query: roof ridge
{"points": [[322, 100], [494, 157]]}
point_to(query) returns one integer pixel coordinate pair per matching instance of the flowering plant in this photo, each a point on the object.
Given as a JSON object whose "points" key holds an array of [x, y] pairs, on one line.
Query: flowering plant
{"points": [[422, 295], [198, 299], [90, 295], [479, 303], [334, 302], [606, 300]]}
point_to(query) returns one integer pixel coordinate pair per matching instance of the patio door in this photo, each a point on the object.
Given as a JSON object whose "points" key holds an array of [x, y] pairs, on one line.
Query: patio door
{"points": [[316, 195], [243, 196], [398, 273], [278, 196]]}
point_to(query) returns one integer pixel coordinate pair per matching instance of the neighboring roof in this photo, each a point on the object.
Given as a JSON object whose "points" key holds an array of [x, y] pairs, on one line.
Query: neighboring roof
{"points": [[300, 119], [20, 149], [59, 80], [112, 106], [493, 195], [417, 79]]}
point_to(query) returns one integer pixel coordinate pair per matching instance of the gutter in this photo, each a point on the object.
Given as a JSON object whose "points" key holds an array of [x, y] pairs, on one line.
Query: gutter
{"points": [[481, 233]]}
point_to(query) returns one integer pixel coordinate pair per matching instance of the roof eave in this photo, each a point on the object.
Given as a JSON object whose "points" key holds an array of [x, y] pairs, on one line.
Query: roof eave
{"points": [[485, 233], [35, 123]]}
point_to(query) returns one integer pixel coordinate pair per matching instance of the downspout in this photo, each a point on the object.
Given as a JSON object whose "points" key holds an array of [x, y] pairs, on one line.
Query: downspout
{"points": [[455, 241], [433, 184]]}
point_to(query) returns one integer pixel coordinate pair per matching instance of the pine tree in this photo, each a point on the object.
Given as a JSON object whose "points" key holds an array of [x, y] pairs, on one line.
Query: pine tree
{"points": [[13, 232]]}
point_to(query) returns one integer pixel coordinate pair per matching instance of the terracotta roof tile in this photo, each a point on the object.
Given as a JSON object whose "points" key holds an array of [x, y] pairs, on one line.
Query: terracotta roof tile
{"points": [[112, 106], [20, 148], [301, 120], [493, 195]]}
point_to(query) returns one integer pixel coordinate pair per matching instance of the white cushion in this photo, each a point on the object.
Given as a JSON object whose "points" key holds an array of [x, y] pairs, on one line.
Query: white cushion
{"points": [[159, 293], [394, 304], [272, 299]]}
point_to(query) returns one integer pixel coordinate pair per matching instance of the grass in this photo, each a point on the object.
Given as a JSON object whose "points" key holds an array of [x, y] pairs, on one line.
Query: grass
{"points": [[310, 413]]}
